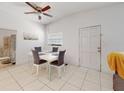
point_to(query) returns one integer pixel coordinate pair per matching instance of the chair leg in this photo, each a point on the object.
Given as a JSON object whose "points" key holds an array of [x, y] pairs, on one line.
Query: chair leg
{"points": [[37, 70]]}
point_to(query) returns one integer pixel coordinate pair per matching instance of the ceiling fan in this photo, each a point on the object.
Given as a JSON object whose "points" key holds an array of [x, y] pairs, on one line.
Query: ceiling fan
{"points": [[38, 10]]}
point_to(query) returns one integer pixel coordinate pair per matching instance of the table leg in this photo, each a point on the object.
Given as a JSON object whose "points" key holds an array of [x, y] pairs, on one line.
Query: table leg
{"points": [[49, 71]]}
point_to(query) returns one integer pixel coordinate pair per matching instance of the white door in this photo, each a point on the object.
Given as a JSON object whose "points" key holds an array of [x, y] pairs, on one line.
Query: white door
{"points": [[90, 47]]}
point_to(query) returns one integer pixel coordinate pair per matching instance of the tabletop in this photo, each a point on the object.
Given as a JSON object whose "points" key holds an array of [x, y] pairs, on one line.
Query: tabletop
{"points": [[49, 57]]}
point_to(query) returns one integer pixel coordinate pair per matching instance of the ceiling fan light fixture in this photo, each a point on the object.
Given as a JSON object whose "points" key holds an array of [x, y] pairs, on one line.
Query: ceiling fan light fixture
{"points": [[39, 17], [38, 10]]}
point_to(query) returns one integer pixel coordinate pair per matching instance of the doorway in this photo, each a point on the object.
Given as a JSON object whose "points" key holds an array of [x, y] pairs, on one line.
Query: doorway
{"points": [[90, 47], [7, 47]]}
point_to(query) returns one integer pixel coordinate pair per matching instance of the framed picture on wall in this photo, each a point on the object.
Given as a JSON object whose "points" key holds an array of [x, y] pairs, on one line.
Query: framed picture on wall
{"points": [[29, 36]]}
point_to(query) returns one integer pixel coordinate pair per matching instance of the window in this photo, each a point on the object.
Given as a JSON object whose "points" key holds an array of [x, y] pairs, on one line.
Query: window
{"points": [[55, 39]]}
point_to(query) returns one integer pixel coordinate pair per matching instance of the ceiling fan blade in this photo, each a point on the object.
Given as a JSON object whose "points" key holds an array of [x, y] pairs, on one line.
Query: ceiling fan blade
{"points": [[31, 6], [45, 8], [30, 12], [47, 15], [34, 4]]}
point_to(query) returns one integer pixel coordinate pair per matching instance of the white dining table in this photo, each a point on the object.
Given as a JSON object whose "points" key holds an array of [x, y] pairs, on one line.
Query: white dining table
{"points": [[49, 57]]}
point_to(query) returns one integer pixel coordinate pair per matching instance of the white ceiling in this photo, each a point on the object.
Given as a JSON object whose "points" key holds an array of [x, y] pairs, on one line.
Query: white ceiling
{"points": [[58, 9]]}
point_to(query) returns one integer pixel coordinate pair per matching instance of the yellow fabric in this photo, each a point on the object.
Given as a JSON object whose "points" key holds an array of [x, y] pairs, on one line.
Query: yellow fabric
{"points": [[116, 62]]}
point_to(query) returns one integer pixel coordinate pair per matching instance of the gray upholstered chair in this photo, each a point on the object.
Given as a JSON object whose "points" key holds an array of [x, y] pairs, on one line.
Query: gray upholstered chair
{"points": [[37, 60], [118, 82], [55, 49], [59, 64], [39, 49]]}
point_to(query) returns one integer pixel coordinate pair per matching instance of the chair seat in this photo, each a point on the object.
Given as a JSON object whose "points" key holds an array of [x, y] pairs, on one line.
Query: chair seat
{"points": [[55, 63], [42, 61]]}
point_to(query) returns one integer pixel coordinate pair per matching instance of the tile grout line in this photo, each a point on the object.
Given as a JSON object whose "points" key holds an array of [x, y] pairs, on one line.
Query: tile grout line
{"points": [[32, 82], [66, 81], [44, 84], [16, 81], [73, 85], [70, 83], [41, 82], [97, 83], [62, 86], [84, 79], [94, 82], [35, 80], [49, 87]]}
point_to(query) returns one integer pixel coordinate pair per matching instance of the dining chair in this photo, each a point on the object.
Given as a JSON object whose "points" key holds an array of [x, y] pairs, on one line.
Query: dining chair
{"points": [[59, 64], [55, 49], [39, 49], [37, 61]]}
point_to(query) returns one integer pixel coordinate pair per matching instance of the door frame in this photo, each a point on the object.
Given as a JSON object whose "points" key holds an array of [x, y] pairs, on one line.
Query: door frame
{"points": [[12, 30], [100, 44]]}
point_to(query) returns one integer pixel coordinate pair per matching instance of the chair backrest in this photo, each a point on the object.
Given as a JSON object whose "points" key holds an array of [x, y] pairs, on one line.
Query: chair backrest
{"points": [[61, 57], [55, 49], [39, 49], [36, 57]]}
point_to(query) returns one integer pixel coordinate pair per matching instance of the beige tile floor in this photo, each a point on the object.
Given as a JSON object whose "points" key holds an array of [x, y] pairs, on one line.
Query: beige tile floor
{"points": [[20, 78]]}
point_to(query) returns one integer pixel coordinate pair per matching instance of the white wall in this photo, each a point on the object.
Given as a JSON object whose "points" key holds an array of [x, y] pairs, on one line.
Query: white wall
{"points": [[111, 20], [9, 21]]}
